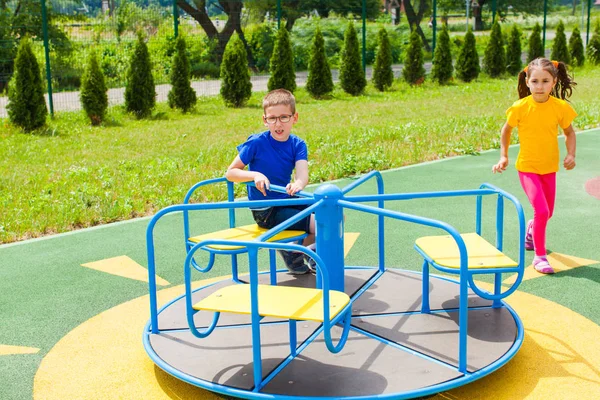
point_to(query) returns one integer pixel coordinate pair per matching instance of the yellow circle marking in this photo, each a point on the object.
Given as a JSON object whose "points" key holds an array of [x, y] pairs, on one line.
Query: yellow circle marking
{"points": [[104, 358]]}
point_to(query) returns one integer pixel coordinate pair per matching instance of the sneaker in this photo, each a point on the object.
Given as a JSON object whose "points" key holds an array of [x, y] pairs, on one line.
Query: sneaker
{"points": [[294, 261], [529, 235], [542, 265], [312, 265]]}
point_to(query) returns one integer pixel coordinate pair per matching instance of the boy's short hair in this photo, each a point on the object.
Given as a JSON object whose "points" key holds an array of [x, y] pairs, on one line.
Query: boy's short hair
{"points": [[279, 97]]}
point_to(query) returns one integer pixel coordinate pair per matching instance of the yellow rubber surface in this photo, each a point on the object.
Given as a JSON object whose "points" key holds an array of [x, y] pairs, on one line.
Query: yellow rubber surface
{"points": [[246, 232]]}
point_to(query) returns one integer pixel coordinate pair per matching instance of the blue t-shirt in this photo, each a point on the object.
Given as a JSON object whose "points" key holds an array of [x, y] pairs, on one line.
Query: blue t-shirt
{"points": [[276, 160]]}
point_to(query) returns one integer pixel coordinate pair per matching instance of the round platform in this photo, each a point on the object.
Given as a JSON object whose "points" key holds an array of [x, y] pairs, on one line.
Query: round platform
{"points": [[393, 350]]}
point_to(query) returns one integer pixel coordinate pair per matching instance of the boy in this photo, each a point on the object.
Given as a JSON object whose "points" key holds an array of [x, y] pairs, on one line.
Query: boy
{"points": [[271, 157]]}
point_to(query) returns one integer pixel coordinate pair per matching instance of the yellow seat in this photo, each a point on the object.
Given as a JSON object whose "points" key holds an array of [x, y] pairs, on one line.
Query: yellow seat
{"points": [[275, 301], [443, 250], [246, 233]]}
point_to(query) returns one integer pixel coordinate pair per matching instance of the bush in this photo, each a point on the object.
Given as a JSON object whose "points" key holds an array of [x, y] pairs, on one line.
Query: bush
{"points": [[560, 51], [576, 48], [494, 60], [383, 76], [181, 95], [413, 71], [536, 47], [442, 59], [283, 75], [593, 47], [262, 39], [236, 87], [26, 105], [140, 94], [319, 82], [513, 52], [94, 99], [352, 75], [467, 63]]}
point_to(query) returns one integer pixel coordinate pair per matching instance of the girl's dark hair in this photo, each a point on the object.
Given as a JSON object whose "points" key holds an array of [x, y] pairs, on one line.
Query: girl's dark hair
{"points": [[558, 70]]}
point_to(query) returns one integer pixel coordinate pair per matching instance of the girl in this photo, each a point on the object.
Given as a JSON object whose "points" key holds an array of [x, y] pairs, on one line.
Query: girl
{"points": [[543, 87]]}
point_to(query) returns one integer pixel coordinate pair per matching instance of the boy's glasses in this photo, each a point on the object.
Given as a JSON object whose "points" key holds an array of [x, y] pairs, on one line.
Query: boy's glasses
{"points": [[282, 118]]}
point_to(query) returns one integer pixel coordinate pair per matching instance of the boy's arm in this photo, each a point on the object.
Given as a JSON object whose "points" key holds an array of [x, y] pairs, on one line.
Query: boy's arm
{"points": [[571, 143], [301, 178], [237, 173], [504, 143]]}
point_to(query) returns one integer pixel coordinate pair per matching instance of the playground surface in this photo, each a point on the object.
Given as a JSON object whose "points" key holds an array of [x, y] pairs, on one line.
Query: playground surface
{"points": [[73, 306]]}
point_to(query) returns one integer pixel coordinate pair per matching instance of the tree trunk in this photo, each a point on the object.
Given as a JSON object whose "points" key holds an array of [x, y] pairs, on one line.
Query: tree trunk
{"points": [[477, 14], [414, 19], [574, 7]]}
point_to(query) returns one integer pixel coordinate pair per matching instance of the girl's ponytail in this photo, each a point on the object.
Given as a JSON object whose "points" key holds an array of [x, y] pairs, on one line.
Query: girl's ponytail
{"points": [[522, 87], [564, 82]]}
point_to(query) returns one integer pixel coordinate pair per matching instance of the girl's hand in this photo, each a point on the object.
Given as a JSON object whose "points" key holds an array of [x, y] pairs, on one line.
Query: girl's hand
{"points": [[569, 162], [262, 183], [293, 188], [501, 166]]}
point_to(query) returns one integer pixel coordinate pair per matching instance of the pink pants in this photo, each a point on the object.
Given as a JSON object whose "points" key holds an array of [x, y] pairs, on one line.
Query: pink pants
{"points": [[541, 192]]}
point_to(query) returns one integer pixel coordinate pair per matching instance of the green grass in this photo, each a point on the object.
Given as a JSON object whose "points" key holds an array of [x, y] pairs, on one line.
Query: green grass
{"points": [[72, 175]]}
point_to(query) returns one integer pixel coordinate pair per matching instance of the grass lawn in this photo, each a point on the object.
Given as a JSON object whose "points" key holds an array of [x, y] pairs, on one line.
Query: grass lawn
{"points": [[72, 175]]}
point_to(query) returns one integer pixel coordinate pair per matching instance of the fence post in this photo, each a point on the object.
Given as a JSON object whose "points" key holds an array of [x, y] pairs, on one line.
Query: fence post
{"points": [[364, 35], [544, 29], [47, 53], [434, 26], [587, 34], [278, 14], [175, 18]]}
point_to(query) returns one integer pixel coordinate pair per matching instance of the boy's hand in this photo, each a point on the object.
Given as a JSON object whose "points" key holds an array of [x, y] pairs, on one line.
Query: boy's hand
{"points": [[569, 162], [501, 166], [262, 183], [293, 188]]}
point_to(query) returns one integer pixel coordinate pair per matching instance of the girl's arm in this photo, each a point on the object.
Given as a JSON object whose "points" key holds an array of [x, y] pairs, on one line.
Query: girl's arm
{"points": [[571, 143], [237, 173], [504, 143], [301, 178]]}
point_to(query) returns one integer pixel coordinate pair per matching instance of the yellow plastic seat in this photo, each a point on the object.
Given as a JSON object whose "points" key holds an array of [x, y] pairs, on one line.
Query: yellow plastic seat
{"points": [[482, 254], [245, 233], [293, 303]]}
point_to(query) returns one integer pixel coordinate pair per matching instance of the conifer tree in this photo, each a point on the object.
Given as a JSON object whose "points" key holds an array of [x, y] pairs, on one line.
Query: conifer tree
{"points": [[513, 52], [181, 95], [319, 82], [140, 94], [442, 59], [236, 87], [576, 48], [383, 76], [26, 105], [494, 59], [560, 51], [467, 63], [94, 99], [593, 47], [281, 67], [413, 71], [536, 48], [352, 76]]}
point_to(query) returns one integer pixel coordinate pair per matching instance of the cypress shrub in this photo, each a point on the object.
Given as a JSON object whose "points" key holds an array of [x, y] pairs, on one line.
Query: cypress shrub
{"points": [[560, 51], [26, 105], [413, 71], [467, 63], [576, 48], [181, 95], [140, 95], [94, 99], [494, 59], [281, 67], [319, 82], [536, 47], [236, 87], [442, 59], [513, 52], [352, 76], [383, 76], [593, 47]]}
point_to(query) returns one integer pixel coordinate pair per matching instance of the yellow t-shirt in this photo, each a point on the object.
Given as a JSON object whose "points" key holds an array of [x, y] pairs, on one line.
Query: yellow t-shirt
{"points": [[538, 130]]}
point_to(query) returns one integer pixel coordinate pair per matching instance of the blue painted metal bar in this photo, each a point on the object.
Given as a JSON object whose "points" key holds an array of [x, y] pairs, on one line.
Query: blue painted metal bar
{"points": [[478, 210], [273, 267], [425, 308], [499, 223], [330, 240], [422, 195], [231, 198], [293, 336], [256, 353], [288, 222]]}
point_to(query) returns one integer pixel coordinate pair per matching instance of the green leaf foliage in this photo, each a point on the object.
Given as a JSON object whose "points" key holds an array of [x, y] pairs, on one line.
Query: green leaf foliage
{"points": [[352, 76], [513, 52], [140, 94], [236, 87], [535, 48], [94, 99], [467, 63], [576, 48], [181, 95], [319, 82], [494, 59], [383, 76], [442, 59], [281, 67], [26, 105], [560, 51], [262, 40], [593, 47], [413, 71]]}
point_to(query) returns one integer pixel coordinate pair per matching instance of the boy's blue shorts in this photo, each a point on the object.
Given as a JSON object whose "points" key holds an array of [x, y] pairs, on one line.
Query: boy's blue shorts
{"points": [[273, 216]]}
